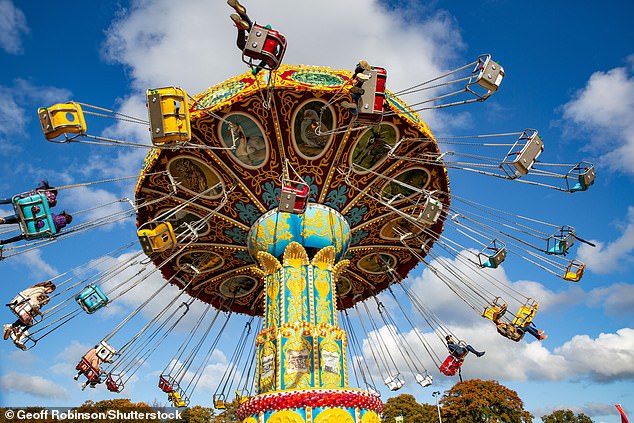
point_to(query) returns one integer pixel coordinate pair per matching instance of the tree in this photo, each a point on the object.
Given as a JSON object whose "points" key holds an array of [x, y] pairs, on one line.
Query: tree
{"points": [[405, 405], [229, 415], [565, 416], [197, 414], [120, 410], [483, 401]]}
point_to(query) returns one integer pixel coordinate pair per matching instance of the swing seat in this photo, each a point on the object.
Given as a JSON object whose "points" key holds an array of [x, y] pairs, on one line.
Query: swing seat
{"points": [[490, 76], [105, 352], [525, 314], [93, 375], [63, 118], [510, 331], [165, 385], [560, 242], [424, 381], [495, 260], [114, 383], [21, 337], [156, 240], [495, 311], [23, 308], [31, 211], [558, 247], [168, 113], [451, 365], [241, 397], [371, 101], [91, 299], [176, 399], [528, 155], [585, 178], [574, 271], [430, 211], [294, 199], [266, 45], [220, 402], [394, 383], [492, 255]]}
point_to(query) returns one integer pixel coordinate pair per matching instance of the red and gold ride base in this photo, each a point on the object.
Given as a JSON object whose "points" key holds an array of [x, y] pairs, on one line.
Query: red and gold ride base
{"points": [[312, 405]]}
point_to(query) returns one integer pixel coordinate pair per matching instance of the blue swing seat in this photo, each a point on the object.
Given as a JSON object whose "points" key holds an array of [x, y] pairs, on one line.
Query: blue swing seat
{"points": [[91, 299], [492, 255], [585, 180], [31, 210], [560, 242]]}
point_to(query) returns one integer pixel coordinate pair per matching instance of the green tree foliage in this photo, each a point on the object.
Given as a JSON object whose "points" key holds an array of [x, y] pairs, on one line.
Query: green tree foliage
{"points": [[483, 401], [405, 405], [565, 416]]}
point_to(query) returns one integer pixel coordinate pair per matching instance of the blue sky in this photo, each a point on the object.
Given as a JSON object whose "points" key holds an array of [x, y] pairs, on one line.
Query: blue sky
{"points": [[569, 73]]}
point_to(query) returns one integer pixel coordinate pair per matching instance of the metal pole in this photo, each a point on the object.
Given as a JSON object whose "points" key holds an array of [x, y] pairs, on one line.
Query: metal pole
{"points": [[435, 394]]}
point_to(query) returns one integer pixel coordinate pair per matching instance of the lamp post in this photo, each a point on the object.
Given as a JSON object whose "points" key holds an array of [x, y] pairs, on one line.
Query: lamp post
{"points": [[435, 394]]}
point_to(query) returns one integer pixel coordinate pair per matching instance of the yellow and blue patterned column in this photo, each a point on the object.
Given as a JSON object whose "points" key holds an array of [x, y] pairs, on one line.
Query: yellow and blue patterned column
{"points": [[301, 345]]}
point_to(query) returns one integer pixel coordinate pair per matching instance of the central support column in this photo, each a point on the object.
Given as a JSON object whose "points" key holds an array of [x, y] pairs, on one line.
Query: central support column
{"points": [[301, 345], [301, 372]]}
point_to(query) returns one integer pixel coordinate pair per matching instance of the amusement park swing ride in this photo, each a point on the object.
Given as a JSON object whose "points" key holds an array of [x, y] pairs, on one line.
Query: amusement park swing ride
{"points": [[263, 197]]}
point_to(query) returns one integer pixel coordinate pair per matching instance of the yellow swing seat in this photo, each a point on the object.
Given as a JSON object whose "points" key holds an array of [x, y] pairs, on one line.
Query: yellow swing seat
{"points": [[525, 314], [574, 271], [495, 310], [62, 118], [176, 399], [169, 115], [156, 240], [219, 402]]}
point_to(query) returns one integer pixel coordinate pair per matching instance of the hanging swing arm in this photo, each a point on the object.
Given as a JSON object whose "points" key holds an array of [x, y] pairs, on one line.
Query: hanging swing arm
{"points": [[426, 345]]}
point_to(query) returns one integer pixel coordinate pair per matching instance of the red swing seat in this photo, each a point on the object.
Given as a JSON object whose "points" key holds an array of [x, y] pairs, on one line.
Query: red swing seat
{"points": [[93, 375], [165, 385], [371, 102], [294, 199], [266, 45], [451, 365], [114, 383]]}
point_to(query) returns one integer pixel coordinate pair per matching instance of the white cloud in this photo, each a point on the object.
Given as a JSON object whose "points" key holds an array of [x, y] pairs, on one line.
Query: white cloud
{"points": [[36, 266], [66, 360], [150, 39], [15, 110], [608, 357], [474, 283], [31, 385], [91, 205], [208, 381], [616, 299], [605, 107], [126, 161], [505, 360], [613, 256], [12, 26]]}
